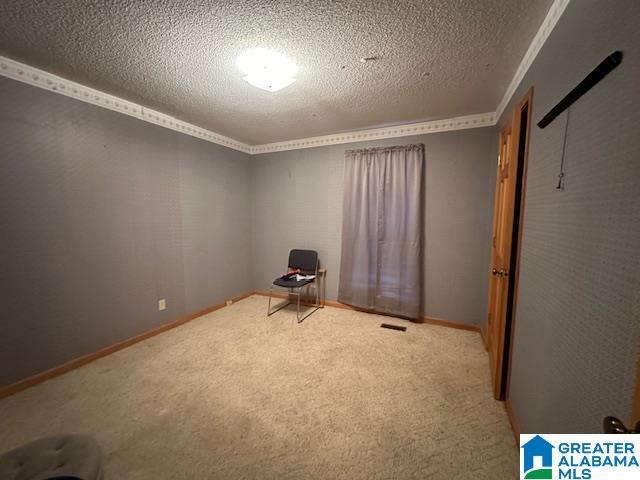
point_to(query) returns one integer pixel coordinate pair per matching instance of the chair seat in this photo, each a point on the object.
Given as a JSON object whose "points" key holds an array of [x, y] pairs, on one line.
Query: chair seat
{"points": [[292, 283]]}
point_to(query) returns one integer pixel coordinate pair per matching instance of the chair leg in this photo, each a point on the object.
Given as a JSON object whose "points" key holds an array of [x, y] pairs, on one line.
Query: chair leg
{"points": [[299, 317], [269, 312], [315, 289], [313, 307]]}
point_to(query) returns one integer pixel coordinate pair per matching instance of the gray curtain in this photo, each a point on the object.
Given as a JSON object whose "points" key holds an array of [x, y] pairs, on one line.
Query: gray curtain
{"points": [[381, 263]]}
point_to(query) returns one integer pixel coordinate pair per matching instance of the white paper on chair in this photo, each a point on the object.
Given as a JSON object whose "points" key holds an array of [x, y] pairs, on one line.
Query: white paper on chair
{"points": [[304, 277]]}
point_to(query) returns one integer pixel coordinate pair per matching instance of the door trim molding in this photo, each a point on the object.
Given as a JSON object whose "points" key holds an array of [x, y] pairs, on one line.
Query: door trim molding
{"points": [[484, 339], [513, 421], [528, 102], [635, 413]]}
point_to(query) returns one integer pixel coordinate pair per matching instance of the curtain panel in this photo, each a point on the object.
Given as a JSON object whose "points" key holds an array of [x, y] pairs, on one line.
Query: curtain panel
{"points": [[382, 225]]}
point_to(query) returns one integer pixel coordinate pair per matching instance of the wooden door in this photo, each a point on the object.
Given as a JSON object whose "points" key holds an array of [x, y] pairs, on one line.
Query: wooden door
{"points": [[501, 252], [507, 231]]}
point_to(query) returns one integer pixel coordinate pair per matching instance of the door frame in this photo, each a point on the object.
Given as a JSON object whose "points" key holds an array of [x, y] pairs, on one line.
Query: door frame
{"points": [[502, 382], [527, 101], [635, 413]]}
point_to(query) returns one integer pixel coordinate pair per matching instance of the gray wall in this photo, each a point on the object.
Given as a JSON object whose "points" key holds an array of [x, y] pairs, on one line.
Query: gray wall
{"points": [[297, 202], [577, 321], [102, 215]]}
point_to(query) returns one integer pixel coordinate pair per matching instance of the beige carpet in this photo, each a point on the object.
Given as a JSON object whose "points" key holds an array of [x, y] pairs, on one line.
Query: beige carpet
{"points": [[236, 395]]}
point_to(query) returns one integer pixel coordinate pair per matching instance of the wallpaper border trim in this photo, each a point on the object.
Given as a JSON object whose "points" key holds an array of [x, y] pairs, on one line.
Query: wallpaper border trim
{"points": [[434, 126], [48, 81]]}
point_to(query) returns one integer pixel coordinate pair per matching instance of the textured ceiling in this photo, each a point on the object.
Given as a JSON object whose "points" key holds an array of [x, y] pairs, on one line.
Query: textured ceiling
{"points": [[437, 59]]}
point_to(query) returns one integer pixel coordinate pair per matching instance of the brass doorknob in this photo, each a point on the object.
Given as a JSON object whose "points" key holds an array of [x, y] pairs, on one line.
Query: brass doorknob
{"points": [[494, 271], [503, 273], [615, 425]]}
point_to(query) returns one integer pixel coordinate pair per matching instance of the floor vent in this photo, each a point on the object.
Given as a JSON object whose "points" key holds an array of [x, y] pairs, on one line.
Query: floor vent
{"points": [[393, 327]]}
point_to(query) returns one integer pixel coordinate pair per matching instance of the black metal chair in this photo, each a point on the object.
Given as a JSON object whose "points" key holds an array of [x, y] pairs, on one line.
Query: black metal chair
{"points": [[307, 262]]}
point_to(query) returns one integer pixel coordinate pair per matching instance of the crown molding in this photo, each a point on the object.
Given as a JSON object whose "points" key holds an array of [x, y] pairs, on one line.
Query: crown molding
{"points": [[457, 123], [549, 22], [39, 78], [48, 81]]}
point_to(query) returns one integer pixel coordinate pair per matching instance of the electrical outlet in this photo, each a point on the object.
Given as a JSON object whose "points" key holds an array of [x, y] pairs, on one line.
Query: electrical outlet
{"points": [[162, 304]]}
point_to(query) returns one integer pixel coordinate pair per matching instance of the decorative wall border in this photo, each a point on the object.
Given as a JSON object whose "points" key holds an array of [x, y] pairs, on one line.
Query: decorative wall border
{"points": [[457, 123], [39, 78]]}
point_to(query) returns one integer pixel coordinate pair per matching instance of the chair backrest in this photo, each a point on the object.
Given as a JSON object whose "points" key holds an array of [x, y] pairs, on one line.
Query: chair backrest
{"points": [[305, 260]]}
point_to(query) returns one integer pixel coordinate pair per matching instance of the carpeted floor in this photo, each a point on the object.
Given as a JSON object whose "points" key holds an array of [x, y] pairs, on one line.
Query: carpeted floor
{"points": [[235, 395]]}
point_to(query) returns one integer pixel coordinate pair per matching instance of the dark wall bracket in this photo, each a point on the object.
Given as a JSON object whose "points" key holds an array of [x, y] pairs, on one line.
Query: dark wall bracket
{"points": [[597, 74]]}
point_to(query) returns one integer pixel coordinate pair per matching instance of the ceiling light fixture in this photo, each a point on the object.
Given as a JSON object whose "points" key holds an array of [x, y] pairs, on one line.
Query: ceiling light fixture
{"points": [[267, 69]]}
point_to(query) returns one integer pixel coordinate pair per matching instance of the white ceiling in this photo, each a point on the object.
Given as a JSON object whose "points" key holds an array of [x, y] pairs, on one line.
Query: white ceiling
{"points": [[437, 59]]}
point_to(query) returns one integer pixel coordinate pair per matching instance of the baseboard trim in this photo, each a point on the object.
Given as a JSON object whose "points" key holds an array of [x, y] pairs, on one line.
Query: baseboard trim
{"points": [[428, 320], [264, 293], [513, 421], [449, 324], [33, 380], [346, 306], [85, 359]]}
